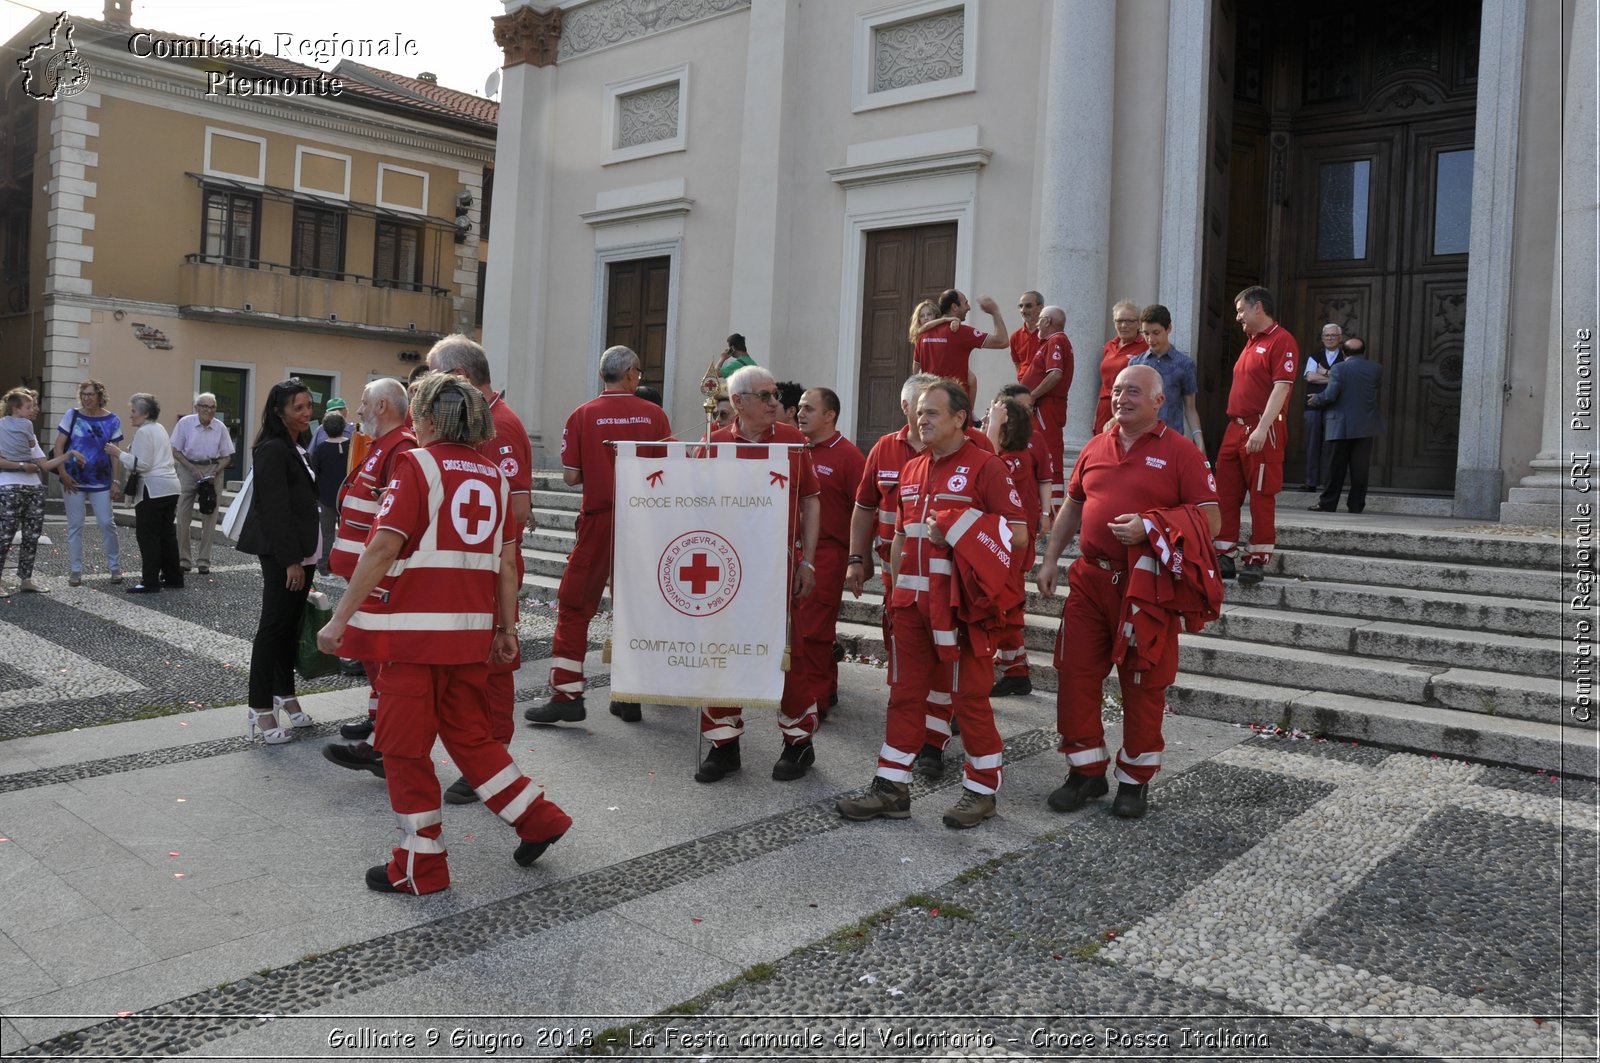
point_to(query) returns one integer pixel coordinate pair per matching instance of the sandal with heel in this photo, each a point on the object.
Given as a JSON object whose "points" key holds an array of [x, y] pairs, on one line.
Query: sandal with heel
{"points": [[290, 707], [274, 735]]}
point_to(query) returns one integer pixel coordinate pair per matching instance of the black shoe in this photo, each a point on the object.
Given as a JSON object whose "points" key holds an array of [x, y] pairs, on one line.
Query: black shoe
{"points": [[1076, 792], [1131, 801], [833, 698], [1320, 508], [357, 756], [353, 670], [459, 793], [930, 763], [1308, 487], [175, 584], [1252, 574], [554, 711], [626, 711], [140, 588], [528, 852], [359, 731], [1011, 684], [795, 761], [1225, 569], [721, 762], [378, 880], [1349, 509], [838, 652]]}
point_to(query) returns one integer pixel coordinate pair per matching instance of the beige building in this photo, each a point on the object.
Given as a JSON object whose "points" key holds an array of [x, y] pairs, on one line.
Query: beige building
{"points": [[804, 172], [164, 231]]}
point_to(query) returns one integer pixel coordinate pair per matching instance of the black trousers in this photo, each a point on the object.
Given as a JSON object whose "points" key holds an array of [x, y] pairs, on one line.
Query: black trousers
{"points": [[157, 536], [277, 636], [1354, 456]]}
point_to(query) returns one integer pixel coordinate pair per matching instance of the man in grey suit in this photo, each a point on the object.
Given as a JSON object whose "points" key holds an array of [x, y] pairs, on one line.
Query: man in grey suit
{"points": [[1352, 419]]}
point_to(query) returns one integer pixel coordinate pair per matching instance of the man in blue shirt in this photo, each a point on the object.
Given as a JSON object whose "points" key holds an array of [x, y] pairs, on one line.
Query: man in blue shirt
{"points": [[1177, 373]]}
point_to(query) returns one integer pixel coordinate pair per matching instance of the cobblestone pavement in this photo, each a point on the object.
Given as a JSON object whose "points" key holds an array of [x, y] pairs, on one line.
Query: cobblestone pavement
{"points": [[167, 889]]}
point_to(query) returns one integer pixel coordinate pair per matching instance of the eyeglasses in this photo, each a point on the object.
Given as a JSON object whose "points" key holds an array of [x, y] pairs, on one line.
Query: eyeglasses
{"points": [[762, 396]]}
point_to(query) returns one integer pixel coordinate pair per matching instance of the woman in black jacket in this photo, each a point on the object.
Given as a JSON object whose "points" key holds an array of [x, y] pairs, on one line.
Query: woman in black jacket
{"points": [[281, 529]]}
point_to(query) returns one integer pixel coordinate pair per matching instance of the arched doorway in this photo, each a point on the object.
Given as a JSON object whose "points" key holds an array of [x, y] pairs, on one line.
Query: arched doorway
{"points": [[1347, 190]]}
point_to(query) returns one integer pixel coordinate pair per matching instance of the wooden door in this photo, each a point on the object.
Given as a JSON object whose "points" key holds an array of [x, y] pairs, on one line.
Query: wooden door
{"points": [[636, 313], [231, 387], [903, 267]]}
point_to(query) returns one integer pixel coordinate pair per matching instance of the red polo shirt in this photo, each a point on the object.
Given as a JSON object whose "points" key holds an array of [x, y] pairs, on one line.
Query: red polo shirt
{"points": [[611, 416], [1114, 358], [1026, 476], [1053, 353], [839, 465], [1161, 469], [1268, 357], [879, 489], [1024, 342], [510, 448], [805, 476], [946, 350]]}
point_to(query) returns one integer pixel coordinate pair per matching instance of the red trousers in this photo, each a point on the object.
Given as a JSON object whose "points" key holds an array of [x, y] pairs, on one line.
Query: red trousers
{"points": [[814, 625], [913, 664], [1011, 655], [1053, 422], [939, 710], [1261, 474], [422, 702], [372, 668], [583, 584], [1083, 660], [503, 687]]}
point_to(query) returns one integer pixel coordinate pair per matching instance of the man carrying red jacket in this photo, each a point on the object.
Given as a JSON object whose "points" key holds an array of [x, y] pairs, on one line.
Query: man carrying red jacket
{"points": [[434, 597], [1137, 467], [383, 415], [952, 474]]}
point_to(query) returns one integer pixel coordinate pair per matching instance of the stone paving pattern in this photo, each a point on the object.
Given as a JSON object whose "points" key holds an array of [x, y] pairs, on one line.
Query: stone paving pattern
{"points": [[167, 889]]}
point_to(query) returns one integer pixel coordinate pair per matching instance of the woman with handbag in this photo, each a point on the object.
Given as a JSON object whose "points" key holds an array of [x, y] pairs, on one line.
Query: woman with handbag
{"points": [[152, 485], [281, 529], [86, 483]]}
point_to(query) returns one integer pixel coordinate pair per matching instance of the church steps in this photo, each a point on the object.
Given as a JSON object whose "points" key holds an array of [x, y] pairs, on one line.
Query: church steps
{"points": [[1543, 585], [1462, 548]]}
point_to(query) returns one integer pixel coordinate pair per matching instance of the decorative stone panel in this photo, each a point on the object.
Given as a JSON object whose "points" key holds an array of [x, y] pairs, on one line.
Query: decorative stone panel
{"points": [[604, 23], [649, 116], [918, 52]]}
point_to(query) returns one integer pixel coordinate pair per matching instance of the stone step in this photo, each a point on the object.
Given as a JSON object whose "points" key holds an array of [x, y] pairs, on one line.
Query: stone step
{"points": [[563, 500], [556, 519], [1497, 694], [1418, 575], [1465, 548], [1521, 616]]}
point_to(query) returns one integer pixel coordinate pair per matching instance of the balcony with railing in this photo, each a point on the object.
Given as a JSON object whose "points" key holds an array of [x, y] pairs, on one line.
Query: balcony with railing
{"points": [[271, 293]]}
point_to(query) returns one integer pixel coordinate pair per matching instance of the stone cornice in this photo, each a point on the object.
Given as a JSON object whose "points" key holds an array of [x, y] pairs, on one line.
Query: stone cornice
{"points": [[529, 36], [966, 160], [664, 208]]}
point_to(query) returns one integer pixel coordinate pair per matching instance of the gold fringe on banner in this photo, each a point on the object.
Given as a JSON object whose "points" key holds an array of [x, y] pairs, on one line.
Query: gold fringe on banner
{"points": [[605, 653]]}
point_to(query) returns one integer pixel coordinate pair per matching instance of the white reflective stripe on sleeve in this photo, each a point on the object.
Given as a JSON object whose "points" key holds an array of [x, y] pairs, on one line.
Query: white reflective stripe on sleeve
{"points": [[936, 724], [916, 530], [1143, 760], [422, 621], [502, 779], [566, 662], [411, 822], [1146, 563], [519, 804], [895, 756], [359, 504], [416, 843], [1089, 756], [938, 697], [940, 566], [886, 516], [912, 583], [893, 774], [962, 525], [353, 546], [942, 637], [993, 760]]}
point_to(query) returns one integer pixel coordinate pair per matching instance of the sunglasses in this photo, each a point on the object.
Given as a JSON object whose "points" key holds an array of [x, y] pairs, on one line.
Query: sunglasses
{"points": [[762, 396]]}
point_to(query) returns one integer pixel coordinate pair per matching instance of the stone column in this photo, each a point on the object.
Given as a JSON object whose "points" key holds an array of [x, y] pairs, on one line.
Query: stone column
{"points": [[1183, 204], [760, 257], [1487, 331], [515, 297], [71, 223], [1537, 499], [1076, 189]]}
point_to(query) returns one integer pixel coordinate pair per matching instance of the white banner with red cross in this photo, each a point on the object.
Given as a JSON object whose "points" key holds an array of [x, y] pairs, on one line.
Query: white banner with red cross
{"points": [[700, 574]]}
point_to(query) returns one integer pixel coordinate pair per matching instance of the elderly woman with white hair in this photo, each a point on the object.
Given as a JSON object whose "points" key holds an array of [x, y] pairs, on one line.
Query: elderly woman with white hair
{"points": [[153, 488]]}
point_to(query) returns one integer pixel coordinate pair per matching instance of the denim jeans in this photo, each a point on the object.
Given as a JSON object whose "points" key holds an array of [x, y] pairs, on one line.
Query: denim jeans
{"points": [[101, 501]]}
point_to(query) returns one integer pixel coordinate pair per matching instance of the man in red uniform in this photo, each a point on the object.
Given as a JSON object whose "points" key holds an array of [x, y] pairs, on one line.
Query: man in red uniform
{"points": [[510, 450], [1048, 379], [586, 459], [945, 350], [434, 597], [757, 409], [383, 414], [1115, 355], [872, 531], [1025, 340], [1139, 466], [952, 474], [1251, 458], [839, 464]]}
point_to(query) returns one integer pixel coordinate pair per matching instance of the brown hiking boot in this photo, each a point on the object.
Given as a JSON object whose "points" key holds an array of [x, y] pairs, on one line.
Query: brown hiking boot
{"points": [[971, 810], [883, 798]]}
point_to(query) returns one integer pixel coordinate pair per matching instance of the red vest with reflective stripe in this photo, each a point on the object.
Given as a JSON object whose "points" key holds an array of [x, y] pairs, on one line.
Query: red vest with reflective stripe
{"points": [[437, 604], [359, 498]]}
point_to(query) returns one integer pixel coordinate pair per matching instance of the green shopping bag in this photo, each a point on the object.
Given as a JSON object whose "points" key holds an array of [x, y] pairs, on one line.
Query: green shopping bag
{"points": [[309, 661]]}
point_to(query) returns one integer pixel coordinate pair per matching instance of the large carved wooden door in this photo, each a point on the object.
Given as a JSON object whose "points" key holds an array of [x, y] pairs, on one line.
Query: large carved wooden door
{"points": [[636, 313], [903, 267], [1349, 194]]}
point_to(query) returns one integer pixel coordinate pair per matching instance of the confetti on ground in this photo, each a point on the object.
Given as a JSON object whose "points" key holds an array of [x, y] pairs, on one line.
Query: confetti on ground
{"points": [[694, 919]]}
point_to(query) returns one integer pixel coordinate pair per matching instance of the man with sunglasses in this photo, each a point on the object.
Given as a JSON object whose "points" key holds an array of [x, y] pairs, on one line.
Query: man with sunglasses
{"points": [[1025, 341], [757, 408]]}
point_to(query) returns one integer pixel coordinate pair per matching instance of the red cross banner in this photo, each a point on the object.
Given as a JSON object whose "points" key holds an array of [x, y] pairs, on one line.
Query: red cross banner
{"points": [[700, 575]]}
